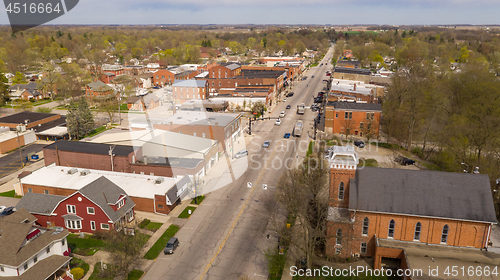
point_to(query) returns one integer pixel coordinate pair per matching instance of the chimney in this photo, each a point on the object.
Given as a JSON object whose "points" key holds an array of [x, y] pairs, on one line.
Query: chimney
{"points": [[354, 87]]}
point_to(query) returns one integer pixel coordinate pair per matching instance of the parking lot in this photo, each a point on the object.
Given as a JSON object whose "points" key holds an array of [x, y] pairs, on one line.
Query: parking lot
{"points": [[12, 161]]}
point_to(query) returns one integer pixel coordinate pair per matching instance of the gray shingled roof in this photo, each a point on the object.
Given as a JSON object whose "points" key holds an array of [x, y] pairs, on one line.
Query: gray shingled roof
{"points": [[355, 106], [423, 193], [39, 203], [348, 70], [102, 191]]}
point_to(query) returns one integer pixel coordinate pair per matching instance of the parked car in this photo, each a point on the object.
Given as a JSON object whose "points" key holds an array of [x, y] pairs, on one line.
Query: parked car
{"points": [[278, 122], [171, 245], [241, 154], [312, 76], [266, 144], [284, 100], [282, 114], [287, 135], [290, 94], [359, 144], [288, 106], [7, 211], [405, 161]]}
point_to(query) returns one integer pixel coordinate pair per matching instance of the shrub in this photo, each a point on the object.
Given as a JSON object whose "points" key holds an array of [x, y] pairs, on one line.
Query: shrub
{"points": [[77, 273]]}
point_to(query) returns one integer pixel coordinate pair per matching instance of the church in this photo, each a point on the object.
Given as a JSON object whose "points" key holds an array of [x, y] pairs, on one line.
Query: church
{"points": [[402, 216]]}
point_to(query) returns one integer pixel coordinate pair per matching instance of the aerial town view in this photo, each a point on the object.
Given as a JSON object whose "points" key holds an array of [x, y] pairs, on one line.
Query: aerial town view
{"points": [[249, 140]]}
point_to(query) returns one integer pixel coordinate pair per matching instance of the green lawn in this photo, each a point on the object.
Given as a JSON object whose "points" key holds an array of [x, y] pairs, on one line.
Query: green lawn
{"points": [[86, 246], [369, 162], [135, 274], [97, 131], [41, 102], [157, 248], [11, 193], [153, 226], [199, 199], [144, 223], [97, 270], [185, 214]]}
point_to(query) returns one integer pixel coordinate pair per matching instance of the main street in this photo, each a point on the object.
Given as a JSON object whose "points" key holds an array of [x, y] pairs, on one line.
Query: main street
{"points": [[226, 236]]}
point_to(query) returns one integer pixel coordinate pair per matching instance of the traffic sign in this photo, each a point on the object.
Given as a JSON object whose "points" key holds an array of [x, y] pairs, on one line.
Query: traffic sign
{"points": [[264, 186], [249, 184]]}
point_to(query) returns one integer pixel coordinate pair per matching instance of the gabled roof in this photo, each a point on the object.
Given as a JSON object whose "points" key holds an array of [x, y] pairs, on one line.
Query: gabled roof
{"points": [[426, 193], [13, 241], [99, 86], [105, 193], [39, 203]]}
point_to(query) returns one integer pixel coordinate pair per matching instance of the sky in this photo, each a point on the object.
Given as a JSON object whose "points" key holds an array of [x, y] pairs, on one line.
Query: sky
{"points": [[336, 12]]}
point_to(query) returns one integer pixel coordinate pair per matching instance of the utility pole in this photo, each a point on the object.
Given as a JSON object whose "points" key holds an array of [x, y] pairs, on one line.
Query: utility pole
{"points": [[19, 144]]}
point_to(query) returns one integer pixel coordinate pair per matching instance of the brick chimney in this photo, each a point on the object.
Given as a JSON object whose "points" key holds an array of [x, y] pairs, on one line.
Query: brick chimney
{"points": [[354, 87]]}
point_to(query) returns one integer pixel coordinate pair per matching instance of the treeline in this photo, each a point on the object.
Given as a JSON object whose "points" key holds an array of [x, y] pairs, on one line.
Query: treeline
{"points": [[30, 49], [448, 117], [440, 46]]}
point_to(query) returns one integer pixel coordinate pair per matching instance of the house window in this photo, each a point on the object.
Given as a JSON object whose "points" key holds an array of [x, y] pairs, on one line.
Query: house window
{"points": [[336, 115], [444, 235], [26, 266], [339, 237], [360, 125], [2, 269], [73, 224], [105, 226], [341, 191], [203, 134], [392, 225], [30, 190], [194, 133], [46, 192], [363, 248], [160, 205], [418, 228], [348, 115], [92, 225], [35, 259], [366, 222], [71, 209], [63, 242], [90, 210]]}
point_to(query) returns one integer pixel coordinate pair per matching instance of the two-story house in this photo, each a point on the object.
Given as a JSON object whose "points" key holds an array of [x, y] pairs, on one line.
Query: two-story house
{"points": [[100, 205], [29, 251]]}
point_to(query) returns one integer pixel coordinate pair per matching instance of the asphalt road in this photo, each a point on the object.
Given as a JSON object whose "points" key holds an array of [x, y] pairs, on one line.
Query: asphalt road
{"points": [[226, 236], [12, 162]]}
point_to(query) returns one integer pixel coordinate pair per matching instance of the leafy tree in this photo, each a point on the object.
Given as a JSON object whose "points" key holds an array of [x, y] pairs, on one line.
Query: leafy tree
{"points": [[4, 89], [19, 79], [464, 55]]}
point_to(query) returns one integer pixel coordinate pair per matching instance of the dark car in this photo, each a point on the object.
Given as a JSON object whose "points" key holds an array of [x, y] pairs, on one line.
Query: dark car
{"points": [[359, 144], [7, 211], [266, 144], [171, 245], [288, 106], [287, 135], [290, 94], [312, 76], [405, 161]]}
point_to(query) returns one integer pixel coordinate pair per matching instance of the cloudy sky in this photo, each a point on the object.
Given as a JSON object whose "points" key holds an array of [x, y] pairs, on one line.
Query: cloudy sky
{"points": [[393, 12]]}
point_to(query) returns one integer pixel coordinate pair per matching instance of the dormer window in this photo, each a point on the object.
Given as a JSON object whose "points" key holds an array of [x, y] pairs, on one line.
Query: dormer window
{"points": [[120, 203]]}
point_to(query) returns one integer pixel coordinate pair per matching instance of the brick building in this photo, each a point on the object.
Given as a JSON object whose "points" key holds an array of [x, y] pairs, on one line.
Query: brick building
{"points": [[352, 118], [98, 90], [185, 90], [353, 91], [355, 74], [162, 77], [28, 119], [100, 205], [150, 193], [370, 207]]}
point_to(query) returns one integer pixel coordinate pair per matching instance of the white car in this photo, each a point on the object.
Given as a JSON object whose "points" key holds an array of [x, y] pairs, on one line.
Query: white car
{"points": [[278, 122], [284, 100], [282, 114], [241, 153]]}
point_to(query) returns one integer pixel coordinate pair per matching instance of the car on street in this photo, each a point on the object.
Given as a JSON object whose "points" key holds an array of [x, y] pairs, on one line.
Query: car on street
{"points": [[288, 106], [7, 211], [241, 154], [359, 144], [278, 122], [287, 135], [312, 76], [171, 245], [266, 144], [405, 161], [282, 114], [284, 100], [290, 94]]}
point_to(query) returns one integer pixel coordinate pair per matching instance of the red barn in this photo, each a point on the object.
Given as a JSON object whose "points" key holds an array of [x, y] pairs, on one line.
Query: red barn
{"points": [[100, 205]]}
